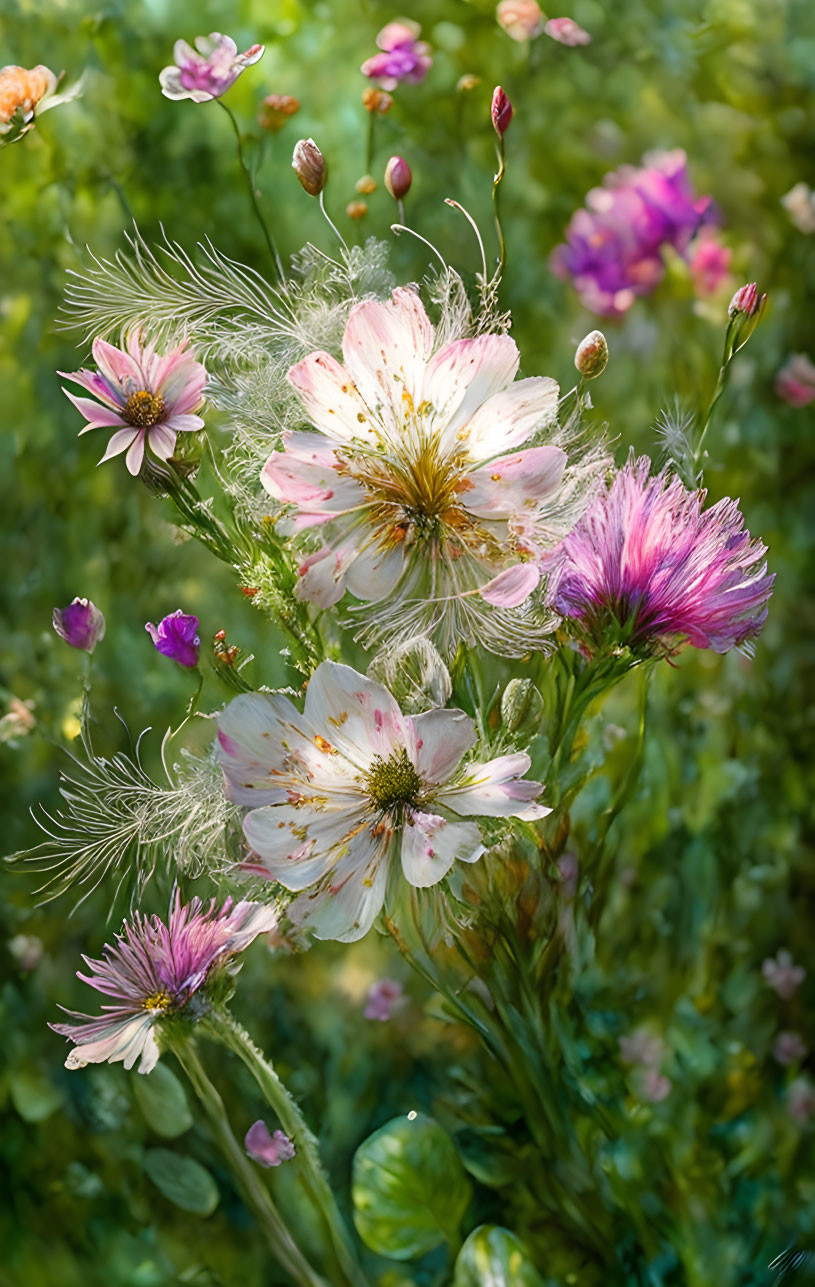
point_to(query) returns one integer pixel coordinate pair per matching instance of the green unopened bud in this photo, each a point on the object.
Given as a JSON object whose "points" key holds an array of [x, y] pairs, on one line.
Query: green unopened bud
{"points": [[415, 674], [592, 355], [521, 708]]}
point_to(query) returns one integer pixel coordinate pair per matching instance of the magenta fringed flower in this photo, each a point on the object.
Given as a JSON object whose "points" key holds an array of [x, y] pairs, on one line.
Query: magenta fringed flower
{"points": [[147, 397], [154, 970], [648, 567]]}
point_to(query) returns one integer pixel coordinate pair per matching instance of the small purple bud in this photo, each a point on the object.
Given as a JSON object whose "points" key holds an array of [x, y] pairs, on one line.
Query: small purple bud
{"points": [[746, 300], [501, 111], [81, 624], [398, 177], [268, 1150], [177, 637], [591, 356], [309, 165]]}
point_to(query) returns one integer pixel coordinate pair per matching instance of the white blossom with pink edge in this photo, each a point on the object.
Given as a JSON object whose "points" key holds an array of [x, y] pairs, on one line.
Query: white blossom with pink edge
{"points": [[209, 72], [351, 789], [426, 479], [148, 397]]}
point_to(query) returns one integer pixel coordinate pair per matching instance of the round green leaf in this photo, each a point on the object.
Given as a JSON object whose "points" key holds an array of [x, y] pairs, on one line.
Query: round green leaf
{"points": [[409, 1188], [494, 1257], [33, 1095], [162, 1099], [182, 1180]]}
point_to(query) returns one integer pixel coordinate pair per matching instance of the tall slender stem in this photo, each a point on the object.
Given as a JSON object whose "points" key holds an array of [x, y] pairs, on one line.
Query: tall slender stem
{"points": [[282, 1245], [222, 1026], [496, 190], [269, 239]]}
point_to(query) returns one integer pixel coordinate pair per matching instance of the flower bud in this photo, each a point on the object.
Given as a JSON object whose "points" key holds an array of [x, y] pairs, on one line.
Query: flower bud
{"points": [[415, 674], [398, 177], [81, 624], [176, 636], [746, 300], [366, 185], [356, 209], [591, 356], [521, 708], [309, 165], [376, 100], [275, 110], [501, 111]]}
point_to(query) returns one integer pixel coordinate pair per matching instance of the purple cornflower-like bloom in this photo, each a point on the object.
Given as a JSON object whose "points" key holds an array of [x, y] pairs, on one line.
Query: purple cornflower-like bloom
{"points": [[268, 1150], [208, 73], [81, 624], [404, 57], [176, 636], [613, 251], [154, 970], [383, 998], [147, 397], [647, 566]]}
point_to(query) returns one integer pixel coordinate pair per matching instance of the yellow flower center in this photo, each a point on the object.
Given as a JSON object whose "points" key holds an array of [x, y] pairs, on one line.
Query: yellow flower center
{"points": [[157, 1000], [393, 784], [143, 409]]}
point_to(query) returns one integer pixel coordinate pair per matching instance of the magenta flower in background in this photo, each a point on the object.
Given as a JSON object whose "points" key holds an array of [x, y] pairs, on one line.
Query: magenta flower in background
{"points": [[210, 72], [176, 636], [613, 251], [146, 396], [788, 1048], [567, 32], [268, 1150], [647, 566], [383, 998], [404, 57], [154, 970], [81, 624], [709, 263], [795, 382], [783, 976]]}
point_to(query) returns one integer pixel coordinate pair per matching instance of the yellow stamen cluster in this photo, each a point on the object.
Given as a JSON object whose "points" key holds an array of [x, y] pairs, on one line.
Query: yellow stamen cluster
{"points": [[157, 1000], [393, 784], [143, 409]]}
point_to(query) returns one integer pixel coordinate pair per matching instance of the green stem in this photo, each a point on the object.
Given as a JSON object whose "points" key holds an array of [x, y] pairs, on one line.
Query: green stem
{"points": [[224, 1027], [369, 153], [282, 1245], [496, 188], [269, 239]]}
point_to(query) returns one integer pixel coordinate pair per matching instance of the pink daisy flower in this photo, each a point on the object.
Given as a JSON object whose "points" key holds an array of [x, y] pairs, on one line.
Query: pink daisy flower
{"points": [[646, 566], [146, 396], [154, 970], [209, 72], [404, 57]]}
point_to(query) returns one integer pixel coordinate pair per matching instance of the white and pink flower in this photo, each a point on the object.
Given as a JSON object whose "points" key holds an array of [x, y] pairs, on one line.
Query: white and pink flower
{"points": [[350, 789], [426, 479], [207, 71], [147, 397]]}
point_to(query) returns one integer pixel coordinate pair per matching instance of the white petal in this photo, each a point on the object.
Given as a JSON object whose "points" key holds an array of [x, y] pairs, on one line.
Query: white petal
{"points": [[514, 484], [330, 397], [385, 348], [161, 439], [441, 738], [119, 442], [251, 733], [374, 572], [462, 376], [298, 845], [495, 789], [430, 846], [126, 1041], [508, 418], [346, 905], [354, 713], [135, 455]]}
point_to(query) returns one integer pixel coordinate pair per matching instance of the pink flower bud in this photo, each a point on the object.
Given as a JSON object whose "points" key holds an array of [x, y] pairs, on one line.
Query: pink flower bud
{"points": [[501, 111], [746, 300], [398, 177], [309, 165], [81, 624]]}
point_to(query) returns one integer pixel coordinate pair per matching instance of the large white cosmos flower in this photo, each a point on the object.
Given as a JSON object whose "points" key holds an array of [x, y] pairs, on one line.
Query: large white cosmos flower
{"points": [[351, 786], [429, 507]]}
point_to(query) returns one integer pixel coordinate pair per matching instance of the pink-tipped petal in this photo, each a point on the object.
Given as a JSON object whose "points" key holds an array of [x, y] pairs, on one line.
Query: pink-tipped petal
{"points": [[385, 348], [119, 443], [430, 846], [463, 375], [511, 588], [330, 397], [513, 484], [135, 455], [508, 418]]}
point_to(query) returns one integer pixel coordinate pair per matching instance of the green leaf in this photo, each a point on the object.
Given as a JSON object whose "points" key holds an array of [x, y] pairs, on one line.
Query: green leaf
{"points": [[33, 1096], [183, 1180], [409, 1188], [163, 1101], [494, 1257]]}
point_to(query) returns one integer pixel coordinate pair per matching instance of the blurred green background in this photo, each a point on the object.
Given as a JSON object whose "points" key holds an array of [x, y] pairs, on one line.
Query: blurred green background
{"points": [[714, 855]]}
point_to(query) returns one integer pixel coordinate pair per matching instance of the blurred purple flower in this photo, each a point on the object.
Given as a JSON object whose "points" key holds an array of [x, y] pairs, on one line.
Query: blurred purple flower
{"points": [[788, 1048], [81, 624], [153, 970], [647, 567], [567, 32], [176, 636], [266, 1149], [642, 1048], [148, 398], [795, 382], [210, 72], [613, 251], [383, 998], [709, 263], [801, 1099], [782, 975], [404, 57]]}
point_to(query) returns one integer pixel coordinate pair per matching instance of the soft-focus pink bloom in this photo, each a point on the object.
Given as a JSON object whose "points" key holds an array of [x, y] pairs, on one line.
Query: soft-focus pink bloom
{"points": [[799, 204], [783, 976], [351, 787], [146, 396], [81, 624], [418, 479], [210, 72], [520, 19], [404, 57], [788, 1048], [801, 1099], [155, 969], [268, 1150], [709, 263], [501, 111], [642, 1048], [613, 251], [567, 32], [795, 382], [569, 869], [383, 998], [651, 1086], [647, 566]]}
